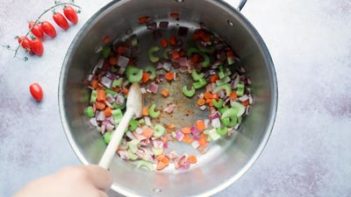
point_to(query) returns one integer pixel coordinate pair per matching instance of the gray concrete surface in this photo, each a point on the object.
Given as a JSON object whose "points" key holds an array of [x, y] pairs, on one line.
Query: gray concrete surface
{"points": [[309, 151]]}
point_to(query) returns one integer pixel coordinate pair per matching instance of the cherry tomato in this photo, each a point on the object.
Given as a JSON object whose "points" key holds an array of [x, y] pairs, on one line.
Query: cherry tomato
{"points": [[37, 47], [70, 14], [36, 29], [36, 91], [48, 29], [25, 42], [60, 20]]}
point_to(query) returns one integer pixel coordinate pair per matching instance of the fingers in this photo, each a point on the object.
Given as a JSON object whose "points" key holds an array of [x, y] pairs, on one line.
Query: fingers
{"points": [[100, 177]]}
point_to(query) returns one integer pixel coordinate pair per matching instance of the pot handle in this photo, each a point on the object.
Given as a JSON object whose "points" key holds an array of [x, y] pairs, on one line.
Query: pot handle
{"points": [[241, 4]]}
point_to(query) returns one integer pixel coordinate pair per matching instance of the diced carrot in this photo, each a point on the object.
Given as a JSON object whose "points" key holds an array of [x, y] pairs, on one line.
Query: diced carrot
{"points": [[113, 60], [202, 148], [145, 111], [144, 20], [125, 91], [146, 77], [188, 139], [192, 159], [213, 78], [232, 96], [106, 39], [186, 130], [100, 105], [175, 55], [108, 112], [173, 40], [200, 125], [207, 95], [161, 165], [163, 158], [246, 102], [165, 92], [163, 42], [100, 95], [208, 101], [164, 139], [169, 76], [203, 140], [200, 101], [170, 126], [94, 84], [215, 96], [147, 132]]}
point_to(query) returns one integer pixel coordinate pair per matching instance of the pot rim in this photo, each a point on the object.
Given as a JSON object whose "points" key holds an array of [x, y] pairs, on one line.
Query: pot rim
{"points": [[268, 61]]}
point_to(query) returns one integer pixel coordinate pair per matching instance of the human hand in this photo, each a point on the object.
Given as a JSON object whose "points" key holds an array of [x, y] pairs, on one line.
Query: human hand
{"points": [[87, 181]]}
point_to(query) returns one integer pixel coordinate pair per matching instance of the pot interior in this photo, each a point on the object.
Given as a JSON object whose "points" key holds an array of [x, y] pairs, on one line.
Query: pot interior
{"points": [[228, 159]]}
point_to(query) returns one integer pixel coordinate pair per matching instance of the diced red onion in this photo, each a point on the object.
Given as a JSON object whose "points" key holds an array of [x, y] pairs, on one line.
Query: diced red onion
{"points": [[139, 130], [123, 154], [147, 121], [93, 122], [195, 144], [110, 98], [214, 115], [243, 98], [143, 90], [119, 99], [152, 26], [207, 122], [153, 88], [195, 132], [100, 116], [216, 123], [179, 135], [122, 61], [108, 125], [172, 155], [139, 136], [157, 144], [170, 108], [102, 129], [130, 136], [203, 107]]}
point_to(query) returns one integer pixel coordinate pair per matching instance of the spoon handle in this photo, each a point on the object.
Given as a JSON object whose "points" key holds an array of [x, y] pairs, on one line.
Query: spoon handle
{"points": [[115, 140]]}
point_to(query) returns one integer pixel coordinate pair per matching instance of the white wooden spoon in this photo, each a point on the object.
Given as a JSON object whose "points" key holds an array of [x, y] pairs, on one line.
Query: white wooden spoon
{"points": [[134, 108]]}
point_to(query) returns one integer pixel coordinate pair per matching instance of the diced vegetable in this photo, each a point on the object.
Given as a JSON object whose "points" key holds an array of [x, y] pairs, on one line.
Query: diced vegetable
{"points": [[159, 130], [93, 96], [89, 112], [152, 56], [117, 115], [200, 83], [152, 112], [151, 70], [197, 76], [222, 131], [225, 87], [105, 52], [107, 137], [133, 124], [188, 93], [134, 74], [218, 104], [133, 145], [147, 165], [229, 117], [240, 89]]}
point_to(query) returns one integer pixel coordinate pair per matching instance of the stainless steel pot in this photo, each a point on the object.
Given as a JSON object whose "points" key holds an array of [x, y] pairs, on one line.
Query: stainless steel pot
{"points": [[221, 167]]}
